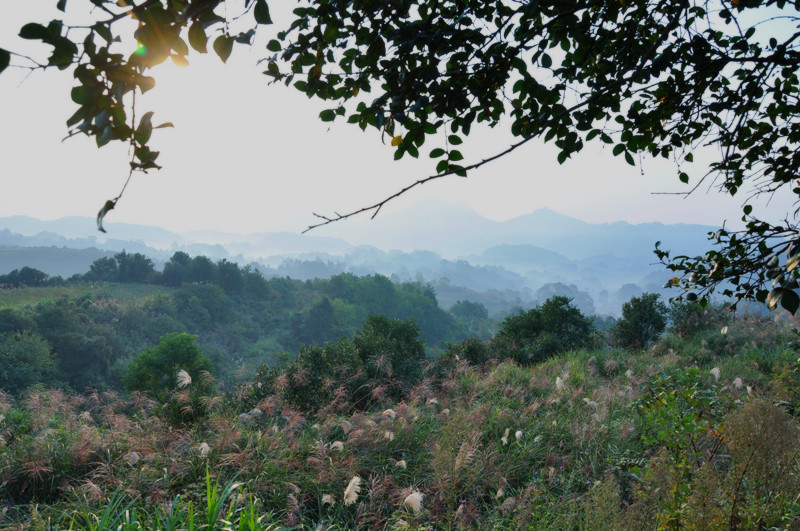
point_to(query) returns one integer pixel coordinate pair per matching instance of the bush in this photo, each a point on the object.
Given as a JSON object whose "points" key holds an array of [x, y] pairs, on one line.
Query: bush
{"points": [[688, 318], [533, 336], [319, 375], [25, 359], [392, 352], [643, 319], [155, 371]]}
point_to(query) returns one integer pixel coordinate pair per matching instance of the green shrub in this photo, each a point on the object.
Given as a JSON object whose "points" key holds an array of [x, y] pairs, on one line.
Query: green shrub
{"points": [[155, 371], [643, 320], [25, 359], [687, 318], [319, 375], [537, 334], [392, 352]]}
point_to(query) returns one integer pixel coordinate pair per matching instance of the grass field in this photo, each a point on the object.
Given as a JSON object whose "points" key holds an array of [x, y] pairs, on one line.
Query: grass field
{"points": [[128, 294]]}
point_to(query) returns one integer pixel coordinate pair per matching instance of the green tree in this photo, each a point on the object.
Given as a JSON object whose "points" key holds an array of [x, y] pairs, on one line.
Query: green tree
{"points": [[103, 269], [201, 270], [391, 351], [643, 319], [534, 335], [25, 359], [27, 276], [469, 310], [155, 371], [660, 78], [134, 268]]}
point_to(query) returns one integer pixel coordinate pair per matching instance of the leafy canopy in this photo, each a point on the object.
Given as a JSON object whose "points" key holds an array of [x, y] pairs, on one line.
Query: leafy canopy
{"points": [[647, 77], [643, 320]]}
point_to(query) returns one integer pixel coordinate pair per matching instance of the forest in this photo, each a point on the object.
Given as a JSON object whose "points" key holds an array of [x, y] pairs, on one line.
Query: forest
{"points": [[206, 396]]}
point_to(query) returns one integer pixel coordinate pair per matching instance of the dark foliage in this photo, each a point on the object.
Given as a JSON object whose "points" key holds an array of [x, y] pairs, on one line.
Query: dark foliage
{"points": [[534, 335]]}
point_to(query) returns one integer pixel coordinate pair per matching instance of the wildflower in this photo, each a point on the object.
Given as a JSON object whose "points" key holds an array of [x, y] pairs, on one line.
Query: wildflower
{"points": [[255, 412], [590, 403], [518, 435], [352, 491], [505, 437], [724, 331], [738, 383], [715, 373], [346, 427], [559, 384], [183, 379], [499, 494], [629, 374], [388, 435], [414, 501], [327, 499], [390, 413], [337, 445], [537, 439], [401, 463], [432, 401]]}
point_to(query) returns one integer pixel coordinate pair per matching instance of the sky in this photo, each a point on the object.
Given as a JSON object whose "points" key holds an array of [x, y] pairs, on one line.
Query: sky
{"points": [[246, 157]]}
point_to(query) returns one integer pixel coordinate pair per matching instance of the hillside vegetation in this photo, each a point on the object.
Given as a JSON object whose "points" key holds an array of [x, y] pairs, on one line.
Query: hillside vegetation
{"points": [[547, 425]]}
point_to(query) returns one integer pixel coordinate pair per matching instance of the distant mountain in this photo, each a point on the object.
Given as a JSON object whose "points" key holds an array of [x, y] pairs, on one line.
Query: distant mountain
{"points": [[433, 241], [456, 231], [60, 261], [83, 228]]}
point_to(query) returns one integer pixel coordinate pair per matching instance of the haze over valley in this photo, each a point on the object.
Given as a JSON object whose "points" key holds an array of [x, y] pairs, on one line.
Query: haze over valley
{"points": [[515, 263]]}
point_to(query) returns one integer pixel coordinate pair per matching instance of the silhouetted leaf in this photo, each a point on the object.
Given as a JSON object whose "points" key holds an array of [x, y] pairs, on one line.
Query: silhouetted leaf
{"points": [[109, 206], [34, 31], [261, 12], [197, 37], [223, 45], [5, 59]]}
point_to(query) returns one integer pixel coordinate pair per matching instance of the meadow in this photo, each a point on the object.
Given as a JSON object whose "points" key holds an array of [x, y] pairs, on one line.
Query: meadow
{"points": [[698, 431]]}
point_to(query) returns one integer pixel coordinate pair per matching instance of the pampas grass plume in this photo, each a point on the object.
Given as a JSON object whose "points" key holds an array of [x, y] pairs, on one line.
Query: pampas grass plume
{"points": [[414, 501], [183, 379], [352, 491]]}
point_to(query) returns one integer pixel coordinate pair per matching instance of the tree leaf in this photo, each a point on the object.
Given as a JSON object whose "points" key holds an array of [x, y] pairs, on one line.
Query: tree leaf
{"points": [[790, 301], [109, 206], [774, 297], [261, 12], [223, 45], [5, 59], [328, 115], [397, 140], [197, 37], [145, 129], [34, 31]]}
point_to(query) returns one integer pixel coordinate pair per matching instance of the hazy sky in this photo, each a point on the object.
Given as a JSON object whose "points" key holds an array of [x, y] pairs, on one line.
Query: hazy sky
{"points": [[248, 157]]}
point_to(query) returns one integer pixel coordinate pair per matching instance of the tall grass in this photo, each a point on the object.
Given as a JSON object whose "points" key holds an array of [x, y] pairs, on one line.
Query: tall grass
{"points": [[684, 436]]}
